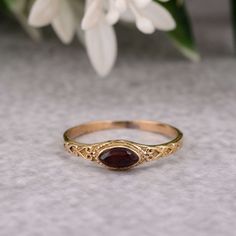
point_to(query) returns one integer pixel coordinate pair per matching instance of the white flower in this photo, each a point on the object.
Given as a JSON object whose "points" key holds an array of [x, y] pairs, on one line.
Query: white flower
{"points": [[58, 13], [147, 14], [99, 16], [101, 46], [100, 38]]}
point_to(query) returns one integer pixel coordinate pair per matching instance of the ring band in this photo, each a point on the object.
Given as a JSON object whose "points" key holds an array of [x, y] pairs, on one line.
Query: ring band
{"points": [[122, 154]]}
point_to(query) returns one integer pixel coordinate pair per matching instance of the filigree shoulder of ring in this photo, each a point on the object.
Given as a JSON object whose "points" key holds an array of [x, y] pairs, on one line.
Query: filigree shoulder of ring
{"points": [[171, 148], [151, 153], [88, 152]]}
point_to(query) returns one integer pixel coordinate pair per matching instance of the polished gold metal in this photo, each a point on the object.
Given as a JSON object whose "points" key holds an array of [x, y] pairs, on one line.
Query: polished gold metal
{"points": [[146, 153]]}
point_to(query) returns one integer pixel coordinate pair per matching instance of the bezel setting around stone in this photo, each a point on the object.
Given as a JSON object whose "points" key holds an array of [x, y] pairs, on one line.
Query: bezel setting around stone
{"points": [[119, 157]]}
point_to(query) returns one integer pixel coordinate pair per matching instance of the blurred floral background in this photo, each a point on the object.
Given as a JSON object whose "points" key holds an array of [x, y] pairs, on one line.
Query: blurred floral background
{"points": [[92, 23]]}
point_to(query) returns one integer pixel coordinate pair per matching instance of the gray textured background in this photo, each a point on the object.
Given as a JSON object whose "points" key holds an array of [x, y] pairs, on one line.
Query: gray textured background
{"points": [[47, 87]]}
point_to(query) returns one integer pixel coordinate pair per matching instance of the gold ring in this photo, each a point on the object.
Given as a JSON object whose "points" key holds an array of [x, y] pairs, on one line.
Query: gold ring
{"points": [[122, 154]]}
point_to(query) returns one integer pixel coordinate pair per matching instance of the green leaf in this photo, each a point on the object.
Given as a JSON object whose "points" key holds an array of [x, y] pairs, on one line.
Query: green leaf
{"points": [[233, 17], [182, 35], [3, 7]]}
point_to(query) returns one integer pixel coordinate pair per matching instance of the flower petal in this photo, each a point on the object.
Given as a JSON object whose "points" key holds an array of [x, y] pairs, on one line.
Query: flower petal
{"points": [[159, 16], [112, 17], [43, 12], [141, 3], [145, 25], [93, 14], [101, 46], [127, 16], [121, 5], [64, 23]]}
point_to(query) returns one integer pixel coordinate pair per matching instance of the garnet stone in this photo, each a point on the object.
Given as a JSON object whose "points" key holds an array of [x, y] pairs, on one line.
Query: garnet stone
{"points": [[118, 157]]}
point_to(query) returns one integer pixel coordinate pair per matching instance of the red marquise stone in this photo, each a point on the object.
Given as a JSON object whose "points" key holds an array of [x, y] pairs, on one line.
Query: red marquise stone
{"points": [[118, 157]]}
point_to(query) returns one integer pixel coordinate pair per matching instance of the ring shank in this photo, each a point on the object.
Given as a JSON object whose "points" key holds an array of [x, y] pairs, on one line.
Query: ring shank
{"points": [[150, 126]]}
